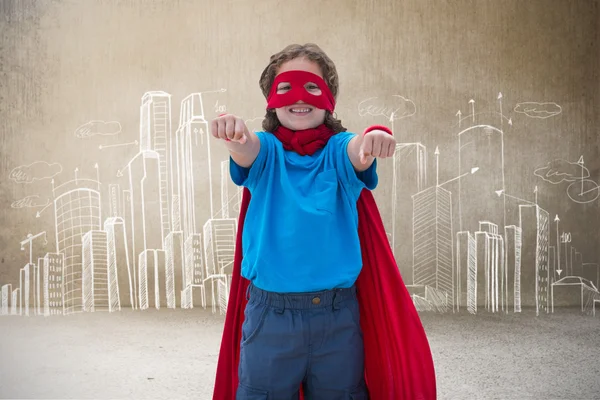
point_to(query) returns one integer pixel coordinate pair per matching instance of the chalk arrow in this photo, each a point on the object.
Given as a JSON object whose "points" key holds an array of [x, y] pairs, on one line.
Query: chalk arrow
{"points": [[222, 90], [472, 103], [106, 146], [502, 192], [39, 213], [501, 112], [473, 170], [556, 219]]}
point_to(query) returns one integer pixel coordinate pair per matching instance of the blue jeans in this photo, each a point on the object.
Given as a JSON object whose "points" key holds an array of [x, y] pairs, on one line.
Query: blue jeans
{"points": [[308, 339]]}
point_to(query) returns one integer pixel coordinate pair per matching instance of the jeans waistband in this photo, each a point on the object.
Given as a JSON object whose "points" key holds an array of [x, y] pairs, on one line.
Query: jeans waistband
{"points": [[299, 301]]}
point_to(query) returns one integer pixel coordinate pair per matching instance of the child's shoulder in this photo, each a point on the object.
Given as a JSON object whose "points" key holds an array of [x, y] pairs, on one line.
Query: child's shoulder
{"points": [[345, 134], [265, 137], [342, 137]]}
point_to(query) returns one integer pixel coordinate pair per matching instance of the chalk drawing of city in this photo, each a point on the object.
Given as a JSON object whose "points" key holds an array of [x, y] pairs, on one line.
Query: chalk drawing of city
{"points": [[167, 238], [472, 259], [161, 243]]}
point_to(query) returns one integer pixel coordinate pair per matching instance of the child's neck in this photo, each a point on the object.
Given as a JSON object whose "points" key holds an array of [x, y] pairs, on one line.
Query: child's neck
{"points": [[303, 130]]}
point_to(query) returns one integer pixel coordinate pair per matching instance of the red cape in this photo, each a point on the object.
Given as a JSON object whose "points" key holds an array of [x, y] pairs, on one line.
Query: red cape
{"points": [[398, 361]]}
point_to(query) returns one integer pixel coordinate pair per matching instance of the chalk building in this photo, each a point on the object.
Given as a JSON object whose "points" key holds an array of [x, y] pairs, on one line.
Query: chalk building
{"points": [[53, 284], [512, 290], [128, 220], [490, 268], [192, 170], [95, 272], [27, 286], [144, 215], [115, 201], [409, 178], [121, 284], [193, 294], [76, 212], [16, 302], [155, 134], [6, 298], [174, 258], [151, 274], [466, 272], [574, 291], [481, 146], [432, 240], [535, 283]]}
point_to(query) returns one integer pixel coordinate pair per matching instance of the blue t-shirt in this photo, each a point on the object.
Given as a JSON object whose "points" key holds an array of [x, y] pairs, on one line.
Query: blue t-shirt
{"points": [[301, 227]]}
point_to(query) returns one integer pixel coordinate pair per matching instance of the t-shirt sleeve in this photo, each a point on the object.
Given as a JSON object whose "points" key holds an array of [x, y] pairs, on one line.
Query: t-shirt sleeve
{"points": [[347, 173], [249, 177]]}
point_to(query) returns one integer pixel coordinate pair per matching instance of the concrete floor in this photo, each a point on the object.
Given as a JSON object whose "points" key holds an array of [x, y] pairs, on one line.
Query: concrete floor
{"points": [[171, 354]]}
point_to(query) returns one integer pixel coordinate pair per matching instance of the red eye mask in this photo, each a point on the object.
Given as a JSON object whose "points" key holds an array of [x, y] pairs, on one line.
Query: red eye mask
{"points": [[298, 81]]}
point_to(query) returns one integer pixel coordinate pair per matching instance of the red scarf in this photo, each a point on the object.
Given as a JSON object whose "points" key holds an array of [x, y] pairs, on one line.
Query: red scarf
{"points": [[304, 142], [398, 361]]}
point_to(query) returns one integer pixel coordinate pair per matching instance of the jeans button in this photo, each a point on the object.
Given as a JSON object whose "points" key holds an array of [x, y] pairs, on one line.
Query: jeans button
{"points": [[316, 300]]}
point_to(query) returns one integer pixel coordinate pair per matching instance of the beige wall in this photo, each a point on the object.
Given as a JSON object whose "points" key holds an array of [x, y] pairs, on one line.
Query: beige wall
{"points": [[65, 63]]}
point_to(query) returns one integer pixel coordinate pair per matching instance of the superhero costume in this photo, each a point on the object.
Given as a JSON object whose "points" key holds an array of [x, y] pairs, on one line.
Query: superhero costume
{"points": [[298, 80], [398, 361]]}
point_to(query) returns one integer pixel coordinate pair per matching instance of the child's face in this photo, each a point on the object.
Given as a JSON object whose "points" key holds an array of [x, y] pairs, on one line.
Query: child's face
{"points": [[300, 115]]}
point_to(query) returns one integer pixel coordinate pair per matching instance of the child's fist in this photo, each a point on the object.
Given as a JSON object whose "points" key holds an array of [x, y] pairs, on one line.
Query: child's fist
{"points": [[229, 128], [377, 143]]}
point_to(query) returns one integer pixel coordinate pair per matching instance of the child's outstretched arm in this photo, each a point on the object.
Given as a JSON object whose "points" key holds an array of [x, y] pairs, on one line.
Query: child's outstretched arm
{"points": [[242, 144], [362, 149]]}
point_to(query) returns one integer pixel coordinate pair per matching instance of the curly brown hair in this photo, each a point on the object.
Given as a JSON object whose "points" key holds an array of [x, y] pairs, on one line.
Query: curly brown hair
{"points": [[313, 53]]}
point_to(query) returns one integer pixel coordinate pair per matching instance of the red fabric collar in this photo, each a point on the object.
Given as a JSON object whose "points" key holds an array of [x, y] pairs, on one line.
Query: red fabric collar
{"points": [[304, 142]]}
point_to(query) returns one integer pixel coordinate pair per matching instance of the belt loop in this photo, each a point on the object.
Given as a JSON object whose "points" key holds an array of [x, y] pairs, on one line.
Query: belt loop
{"points": [[248, 291], [334, 301]]}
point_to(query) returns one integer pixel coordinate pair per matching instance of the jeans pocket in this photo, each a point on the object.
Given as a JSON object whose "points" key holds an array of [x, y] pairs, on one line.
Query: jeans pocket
{"points": [[247, 393], [354, 308], [254, 318]]}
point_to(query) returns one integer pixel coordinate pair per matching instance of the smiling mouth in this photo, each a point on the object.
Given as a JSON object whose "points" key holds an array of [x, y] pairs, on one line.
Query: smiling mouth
{"points": [[300, 110]]}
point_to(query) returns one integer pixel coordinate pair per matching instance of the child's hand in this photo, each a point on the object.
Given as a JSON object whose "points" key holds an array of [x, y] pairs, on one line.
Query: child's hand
{"points": [[377, 143], [229, 128]]}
